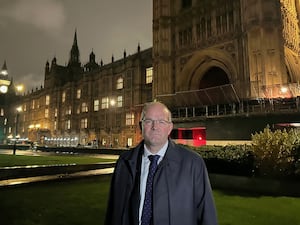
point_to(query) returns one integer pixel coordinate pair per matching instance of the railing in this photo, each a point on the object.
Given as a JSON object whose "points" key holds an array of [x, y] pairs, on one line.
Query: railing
{"points": [[253, 106]]}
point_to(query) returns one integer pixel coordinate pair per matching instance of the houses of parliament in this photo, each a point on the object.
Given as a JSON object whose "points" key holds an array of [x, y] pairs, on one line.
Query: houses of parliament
{"points": [[212, 62]]}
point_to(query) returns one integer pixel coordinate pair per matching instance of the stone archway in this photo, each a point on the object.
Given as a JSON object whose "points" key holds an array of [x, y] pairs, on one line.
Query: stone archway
{"points": [[215, 76], [208, 68]]}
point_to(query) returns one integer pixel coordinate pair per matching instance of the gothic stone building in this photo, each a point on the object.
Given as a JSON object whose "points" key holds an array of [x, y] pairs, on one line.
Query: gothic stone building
{"points": [[89, 104], [209, 58], [217, 51]]}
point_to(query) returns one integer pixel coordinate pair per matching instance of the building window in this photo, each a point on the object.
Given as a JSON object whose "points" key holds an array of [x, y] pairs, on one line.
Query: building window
{"points": [[33, 104], [120, 101], [69, 110], [55, 112], [84, 107], [2, 112], [55, 125], [129, 119], [84, 123], [78, 95], [104, 103], [68, 125], [96, 105], [120, 83], [63, 97], [149, 75], [47, 99], [46, 113], [129, 142]]}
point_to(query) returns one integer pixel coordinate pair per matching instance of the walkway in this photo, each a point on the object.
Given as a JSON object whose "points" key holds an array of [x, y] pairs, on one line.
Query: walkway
{"points": [[18, 181]]}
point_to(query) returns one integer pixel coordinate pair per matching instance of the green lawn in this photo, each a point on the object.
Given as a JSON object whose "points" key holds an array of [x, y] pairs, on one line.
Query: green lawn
{"points": [[83, 201], [22, 160]]}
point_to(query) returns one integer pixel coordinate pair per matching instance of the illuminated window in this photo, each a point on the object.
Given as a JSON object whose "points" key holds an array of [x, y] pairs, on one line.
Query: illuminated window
{"points": [[46, 113], [55, 125], [84, 123], [68, 125], [2, 112], [55, 112], [63, 97], [84, 107], [24, 107], [120, 83], [96, 105], [129, 142], [47, 100], [129, 119], [69, 110], [78, 95], [149, 75], [120, 101], [33, 104], [104, 103]]}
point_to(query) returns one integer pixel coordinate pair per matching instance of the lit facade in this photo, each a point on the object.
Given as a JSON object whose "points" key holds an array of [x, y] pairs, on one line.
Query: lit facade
{"points": [[206, 61], [248, 49], [91, 104]]}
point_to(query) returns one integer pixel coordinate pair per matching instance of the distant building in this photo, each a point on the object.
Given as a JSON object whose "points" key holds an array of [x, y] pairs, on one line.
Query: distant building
{"points": [[91, 104]]}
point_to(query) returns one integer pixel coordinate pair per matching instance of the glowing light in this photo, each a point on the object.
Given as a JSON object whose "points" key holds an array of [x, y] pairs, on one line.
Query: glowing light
{"points": [[3, 89], [283, 89]]}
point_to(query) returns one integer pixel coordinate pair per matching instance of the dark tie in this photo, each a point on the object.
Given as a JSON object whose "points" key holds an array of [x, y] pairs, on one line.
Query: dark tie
{"points": [[147, 208]]}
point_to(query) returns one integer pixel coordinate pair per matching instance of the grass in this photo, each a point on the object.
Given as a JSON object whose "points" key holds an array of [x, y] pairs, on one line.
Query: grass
{"points": [[83, 201], [22, 160]]}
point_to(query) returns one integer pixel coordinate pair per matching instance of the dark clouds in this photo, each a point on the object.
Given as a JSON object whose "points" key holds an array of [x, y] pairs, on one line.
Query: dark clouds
{"points": [[34, 31]]}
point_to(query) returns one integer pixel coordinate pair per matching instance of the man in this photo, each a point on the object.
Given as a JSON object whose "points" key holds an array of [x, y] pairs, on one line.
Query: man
{"points": [[180, 192]]}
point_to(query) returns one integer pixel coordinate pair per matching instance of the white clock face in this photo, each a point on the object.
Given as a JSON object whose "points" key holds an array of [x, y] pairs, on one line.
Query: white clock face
{"points": [[3, 89]]}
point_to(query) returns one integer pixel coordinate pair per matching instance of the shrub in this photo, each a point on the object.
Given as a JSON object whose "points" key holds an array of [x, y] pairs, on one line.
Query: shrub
{"points": [[275, 151], [230, 159]]}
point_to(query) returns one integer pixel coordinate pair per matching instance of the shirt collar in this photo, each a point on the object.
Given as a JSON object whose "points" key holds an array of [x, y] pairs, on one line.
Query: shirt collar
{"points": [[161, 152]]}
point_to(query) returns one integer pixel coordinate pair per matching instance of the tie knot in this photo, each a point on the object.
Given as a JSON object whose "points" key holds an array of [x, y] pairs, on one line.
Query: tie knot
{"points": [[153, 158]]}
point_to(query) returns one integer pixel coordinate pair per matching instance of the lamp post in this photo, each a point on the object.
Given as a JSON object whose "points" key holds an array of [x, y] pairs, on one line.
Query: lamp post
{"points": [[18, 110], [112, 104]]}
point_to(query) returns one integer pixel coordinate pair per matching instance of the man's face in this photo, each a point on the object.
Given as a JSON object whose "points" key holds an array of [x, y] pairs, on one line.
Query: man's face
{"points": [[156, 126]]}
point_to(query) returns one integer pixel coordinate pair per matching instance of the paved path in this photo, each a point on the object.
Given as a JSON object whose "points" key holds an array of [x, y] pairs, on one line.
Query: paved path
{"points": [[18, 181]]}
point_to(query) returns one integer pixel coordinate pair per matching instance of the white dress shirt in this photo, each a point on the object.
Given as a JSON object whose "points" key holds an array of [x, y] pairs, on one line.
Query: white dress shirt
{"points": [[144, 173]]}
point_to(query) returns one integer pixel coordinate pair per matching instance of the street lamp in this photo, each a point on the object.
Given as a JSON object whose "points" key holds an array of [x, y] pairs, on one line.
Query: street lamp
{"points": [[112, 103], [18, 110], [19, 88]]}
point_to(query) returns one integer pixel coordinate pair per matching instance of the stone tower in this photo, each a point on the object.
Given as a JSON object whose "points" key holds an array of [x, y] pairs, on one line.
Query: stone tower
{"points": [[206, 54]]}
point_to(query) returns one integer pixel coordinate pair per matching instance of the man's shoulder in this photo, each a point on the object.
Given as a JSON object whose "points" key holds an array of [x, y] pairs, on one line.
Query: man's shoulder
{"points": [[185, 151]]}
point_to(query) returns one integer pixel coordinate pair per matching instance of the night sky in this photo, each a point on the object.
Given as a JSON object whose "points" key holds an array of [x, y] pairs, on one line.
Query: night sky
{"points": [[34, 31]]}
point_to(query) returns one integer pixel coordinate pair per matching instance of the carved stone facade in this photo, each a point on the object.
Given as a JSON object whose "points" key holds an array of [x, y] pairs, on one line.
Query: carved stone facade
{"points": [[251, 47], [205, 53]]}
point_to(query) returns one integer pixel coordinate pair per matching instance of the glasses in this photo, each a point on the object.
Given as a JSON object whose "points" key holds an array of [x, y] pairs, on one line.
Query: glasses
{"points": [[150, 122]]}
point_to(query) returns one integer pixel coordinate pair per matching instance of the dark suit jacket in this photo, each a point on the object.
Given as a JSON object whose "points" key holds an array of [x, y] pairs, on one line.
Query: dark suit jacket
{"points": [[181, 192]]}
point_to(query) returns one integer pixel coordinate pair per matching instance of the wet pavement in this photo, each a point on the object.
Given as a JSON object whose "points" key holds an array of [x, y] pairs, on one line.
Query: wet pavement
{"points": [[11, 182], [18, 181]]}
